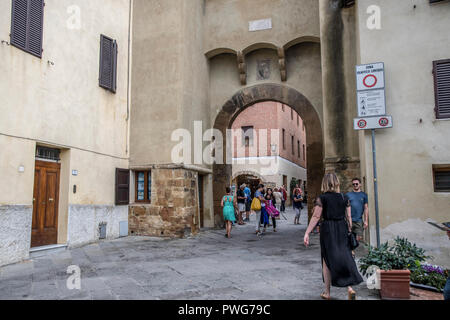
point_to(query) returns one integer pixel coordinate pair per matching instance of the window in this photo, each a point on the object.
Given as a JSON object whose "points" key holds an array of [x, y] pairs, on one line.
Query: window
{"points": [[304, 153], [108, 63], [122, 188], [298, 120], [143, 186], [348, 3], [298, 148], [284, 139], [48, 153], [292, 114], [292, 144], [441, 177], [27, 21], [282, 107], [441, 72], [247, 136]]}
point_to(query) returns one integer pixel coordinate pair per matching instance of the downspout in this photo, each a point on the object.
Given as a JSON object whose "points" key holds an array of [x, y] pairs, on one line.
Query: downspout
{"points": [[128, 75]]}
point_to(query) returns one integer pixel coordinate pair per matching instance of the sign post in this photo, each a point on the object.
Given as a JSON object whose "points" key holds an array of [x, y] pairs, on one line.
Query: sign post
{"points": [[375, 184], [372, 115]]}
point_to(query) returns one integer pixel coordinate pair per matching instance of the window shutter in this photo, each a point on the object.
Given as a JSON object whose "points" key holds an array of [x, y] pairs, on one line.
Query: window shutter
{"points": [[442, 179], [19, 23], [441, 71], [108, 63], [35, 26], [122, 186], [27, 25]]}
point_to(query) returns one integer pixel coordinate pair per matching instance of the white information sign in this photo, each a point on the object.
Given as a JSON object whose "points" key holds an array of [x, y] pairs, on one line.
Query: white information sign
{"points": [[370, 76], [369, 123], [371, 103], [258, 25]]}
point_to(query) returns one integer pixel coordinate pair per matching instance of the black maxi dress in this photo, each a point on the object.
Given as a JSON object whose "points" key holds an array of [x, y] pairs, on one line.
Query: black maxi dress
{"points": [[334, 244]]}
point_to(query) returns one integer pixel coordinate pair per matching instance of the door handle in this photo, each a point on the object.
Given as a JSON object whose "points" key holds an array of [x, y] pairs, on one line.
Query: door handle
{"points": [[51, 199]]}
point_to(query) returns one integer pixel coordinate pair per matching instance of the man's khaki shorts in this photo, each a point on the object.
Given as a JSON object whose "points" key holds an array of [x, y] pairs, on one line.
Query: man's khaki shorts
{"points": [[358, 228]]}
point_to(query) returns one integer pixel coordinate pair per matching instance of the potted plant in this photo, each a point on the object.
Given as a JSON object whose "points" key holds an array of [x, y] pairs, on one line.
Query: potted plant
{"points": [[396, 261]]}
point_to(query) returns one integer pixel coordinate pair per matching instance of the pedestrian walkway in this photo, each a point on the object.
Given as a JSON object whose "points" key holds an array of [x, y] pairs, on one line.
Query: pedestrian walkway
{"points": [[207, 266]]}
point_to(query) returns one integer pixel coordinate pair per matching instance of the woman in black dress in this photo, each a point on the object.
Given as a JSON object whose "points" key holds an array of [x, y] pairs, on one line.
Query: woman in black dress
{"points": [[339, 268]]}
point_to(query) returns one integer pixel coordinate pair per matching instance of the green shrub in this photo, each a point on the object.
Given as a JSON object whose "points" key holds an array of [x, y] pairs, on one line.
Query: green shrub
{"points": [[401, 255]]}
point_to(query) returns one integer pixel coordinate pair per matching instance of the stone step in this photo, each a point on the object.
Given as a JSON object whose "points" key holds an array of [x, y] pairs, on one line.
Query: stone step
{"points": [[47, 250]]}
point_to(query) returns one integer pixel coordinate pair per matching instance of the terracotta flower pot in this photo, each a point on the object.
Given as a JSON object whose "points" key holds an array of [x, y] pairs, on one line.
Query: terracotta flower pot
{"points": [[395, 284]]}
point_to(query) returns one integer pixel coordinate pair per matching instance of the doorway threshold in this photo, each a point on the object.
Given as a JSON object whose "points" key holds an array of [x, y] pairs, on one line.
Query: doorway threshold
{"points": [[46, 250]]}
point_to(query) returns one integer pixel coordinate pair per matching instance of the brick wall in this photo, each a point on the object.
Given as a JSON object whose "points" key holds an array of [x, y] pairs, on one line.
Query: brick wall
{"points": [[270, 115]]}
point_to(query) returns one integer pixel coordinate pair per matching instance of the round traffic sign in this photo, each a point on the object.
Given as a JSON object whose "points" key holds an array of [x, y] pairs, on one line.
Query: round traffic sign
{"points": [[362, 123], [370, 81], [384, 122]]}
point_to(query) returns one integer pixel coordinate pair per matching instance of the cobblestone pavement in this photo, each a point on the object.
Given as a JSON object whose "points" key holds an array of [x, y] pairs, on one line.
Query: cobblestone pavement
{"points": [[207, 266]]}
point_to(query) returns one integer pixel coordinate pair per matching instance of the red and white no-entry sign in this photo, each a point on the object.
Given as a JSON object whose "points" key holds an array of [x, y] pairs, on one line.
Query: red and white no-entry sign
{"points": [[370, 81], [370, 76]]}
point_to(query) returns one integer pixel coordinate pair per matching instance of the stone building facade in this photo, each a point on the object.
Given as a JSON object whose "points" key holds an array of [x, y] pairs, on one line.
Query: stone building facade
{"points": [[181, 63]]}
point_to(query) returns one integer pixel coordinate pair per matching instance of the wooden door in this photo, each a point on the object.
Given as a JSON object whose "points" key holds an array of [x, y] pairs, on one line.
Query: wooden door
{"points": [[44, 229]]}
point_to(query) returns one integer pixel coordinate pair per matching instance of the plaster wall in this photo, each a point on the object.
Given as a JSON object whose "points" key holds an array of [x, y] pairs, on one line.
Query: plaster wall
{"points": [[56, 101], [227, 22], [408, 42], [170, 77]]}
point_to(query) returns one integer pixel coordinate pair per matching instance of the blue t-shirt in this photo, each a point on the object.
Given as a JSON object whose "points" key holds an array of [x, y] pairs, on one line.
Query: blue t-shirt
{"points": [[247, 192], [259, 194], [357, 201]]}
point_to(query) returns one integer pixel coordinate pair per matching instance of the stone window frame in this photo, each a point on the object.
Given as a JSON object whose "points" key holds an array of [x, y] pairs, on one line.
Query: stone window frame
{"points": [[147, 197]]}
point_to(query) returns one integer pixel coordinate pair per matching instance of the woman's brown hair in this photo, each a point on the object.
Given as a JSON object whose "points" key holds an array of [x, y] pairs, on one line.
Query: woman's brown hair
{"points": [[330, 183]]}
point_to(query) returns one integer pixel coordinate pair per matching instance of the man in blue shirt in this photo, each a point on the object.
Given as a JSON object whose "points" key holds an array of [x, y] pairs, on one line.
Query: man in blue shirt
{"points": [[360, 209], [248, 203]]}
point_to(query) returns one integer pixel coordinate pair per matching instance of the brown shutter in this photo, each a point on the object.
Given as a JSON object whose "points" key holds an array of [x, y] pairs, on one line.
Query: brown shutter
{"points": [[27, 21], [19, 19], [441, 71], [35, 26], [108, 63], [122, 186]]}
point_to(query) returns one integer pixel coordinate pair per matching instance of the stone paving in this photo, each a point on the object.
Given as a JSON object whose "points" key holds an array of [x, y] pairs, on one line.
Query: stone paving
{"points": [[207, 266]]}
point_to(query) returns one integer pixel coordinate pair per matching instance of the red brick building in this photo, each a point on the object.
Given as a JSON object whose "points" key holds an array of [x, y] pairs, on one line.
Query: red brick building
{"points": [[284, 150]]}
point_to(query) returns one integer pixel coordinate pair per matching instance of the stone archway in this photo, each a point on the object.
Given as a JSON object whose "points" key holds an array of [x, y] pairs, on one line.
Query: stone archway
{"points": [[246, 97], [250, 173]]}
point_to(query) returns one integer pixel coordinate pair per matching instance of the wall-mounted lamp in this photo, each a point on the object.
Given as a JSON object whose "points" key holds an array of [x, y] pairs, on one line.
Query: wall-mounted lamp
{"points": [[51, 63], [21, 169], [5, 42]]}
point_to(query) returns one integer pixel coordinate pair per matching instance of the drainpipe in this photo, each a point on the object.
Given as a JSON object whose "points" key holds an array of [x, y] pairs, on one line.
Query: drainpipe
{"points": [[130, 17]]}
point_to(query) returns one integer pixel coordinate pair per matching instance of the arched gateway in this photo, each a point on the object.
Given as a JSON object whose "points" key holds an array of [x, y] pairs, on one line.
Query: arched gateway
{"points": [[270, 92]]}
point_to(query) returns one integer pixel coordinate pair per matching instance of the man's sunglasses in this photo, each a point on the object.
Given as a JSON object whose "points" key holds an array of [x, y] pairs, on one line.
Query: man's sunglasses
{"points": [[356, 184]]}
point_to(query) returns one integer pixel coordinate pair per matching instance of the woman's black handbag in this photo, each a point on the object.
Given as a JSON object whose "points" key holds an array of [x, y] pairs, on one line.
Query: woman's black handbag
{"points": [[352, 240]]}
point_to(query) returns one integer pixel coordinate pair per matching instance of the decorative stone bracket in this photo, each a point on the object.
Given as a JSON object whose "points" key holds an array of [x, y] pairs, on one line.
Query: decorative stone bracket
{"points": [[242, 67], [282, 63]]}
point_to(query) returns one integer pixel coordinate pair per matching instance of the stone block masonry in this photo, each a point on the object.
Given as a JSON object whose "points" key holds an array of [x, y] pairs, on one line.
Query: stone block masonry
{"points": [[173, 211]]}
